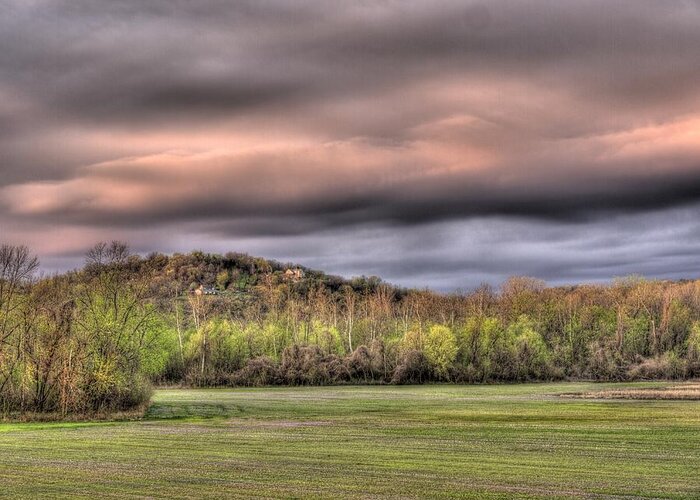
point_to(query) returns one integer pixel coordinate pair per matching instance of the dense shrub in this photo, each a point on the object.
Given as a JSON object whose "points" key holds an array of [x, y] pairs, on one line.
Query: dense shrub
{"points": [[413, 368], [605, 363], [666, 366], [308, 365], [257, 372]]}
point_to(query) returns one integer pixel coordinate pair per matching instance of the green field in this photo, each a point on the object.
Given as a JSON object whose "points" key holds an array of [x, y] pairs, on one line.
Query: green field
{"points": [[511, 441]]}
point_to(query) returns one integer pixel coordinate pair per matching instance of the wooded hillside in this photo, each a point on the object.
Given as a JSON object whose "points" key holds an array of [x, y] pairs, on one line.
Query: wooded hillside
{"points": [[95, 339]]}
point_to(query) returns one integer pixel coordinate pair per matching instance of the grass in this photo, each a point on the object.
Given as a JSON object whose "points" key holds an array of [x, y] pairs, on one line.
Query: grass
{"points": [[509, 441]]}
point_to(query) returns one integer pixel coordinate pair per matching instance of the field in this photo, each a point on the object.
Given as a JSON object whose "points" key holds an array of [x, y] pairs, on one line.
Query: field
{"points": [[510, 441]]}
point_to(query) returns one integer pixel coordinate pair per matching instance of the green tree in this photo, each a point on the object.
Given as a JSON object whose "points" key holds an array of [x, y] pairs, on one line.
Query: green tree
{"points": [[119, 331], [440, 348], [532, 354]]}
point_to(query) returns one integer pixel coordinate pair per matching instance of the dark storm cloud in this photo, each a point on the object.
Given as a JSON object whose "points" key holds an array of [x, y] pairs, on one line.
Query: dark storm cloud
{"points": [[258, 119], [462, 254], [135, 60]]}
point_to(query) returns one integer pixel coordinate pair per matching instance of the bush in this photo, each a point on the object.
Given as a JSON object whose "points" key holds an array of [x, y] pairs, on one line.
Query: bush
{"points": [[257, 372], [308, 365], [413, 368], [605, 363], [666, 366]]}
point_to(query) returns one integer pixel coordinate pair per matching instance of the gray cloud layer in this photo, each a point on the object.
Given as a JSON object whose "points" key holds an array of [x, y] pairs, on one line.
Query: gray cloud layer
{"points": [[275, 126]]}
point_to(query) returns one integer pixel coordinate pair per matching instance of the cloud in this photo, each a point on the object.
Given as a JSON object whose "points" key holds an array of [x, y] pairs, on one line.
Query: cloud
{"points": [[429, 178], [258, 120]]}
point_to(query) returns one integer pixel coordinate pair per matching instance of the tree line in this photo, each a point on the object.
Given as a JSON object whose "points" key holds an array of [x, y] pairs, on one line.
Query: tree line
{"points": [[80, 343], [95, 339]]}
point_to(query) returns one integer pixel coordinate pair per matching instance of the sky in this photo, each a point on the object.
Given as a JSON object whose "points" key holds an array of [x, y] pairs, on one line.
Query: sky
{"points": [[436, 144]]}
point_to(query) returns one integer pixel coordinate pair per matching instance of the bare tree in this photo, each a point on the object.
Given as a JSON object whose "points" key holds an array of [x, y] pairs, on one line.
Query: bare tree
{"points": [[17, 268]]}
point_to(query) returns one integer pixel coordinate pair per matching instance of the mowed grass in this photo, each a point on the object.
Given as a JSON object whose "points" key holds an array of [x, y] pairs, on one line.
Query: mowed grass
{"points": [[508, 441]]}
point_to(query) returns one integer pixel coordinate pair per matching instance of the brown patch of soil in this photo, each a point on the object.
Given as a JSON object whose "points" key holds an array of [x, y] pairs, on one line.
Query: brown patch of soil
{"points": [[686, 392]]}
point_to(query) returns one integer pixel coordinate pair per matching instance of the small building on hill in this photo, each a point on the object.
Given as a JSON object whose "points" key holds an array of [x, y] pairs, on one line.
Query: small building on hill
{"points": [[296, 274], [206, 290]]}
